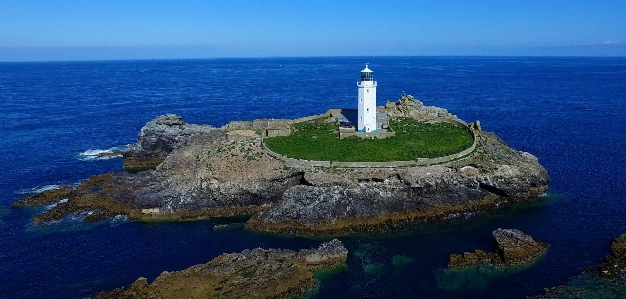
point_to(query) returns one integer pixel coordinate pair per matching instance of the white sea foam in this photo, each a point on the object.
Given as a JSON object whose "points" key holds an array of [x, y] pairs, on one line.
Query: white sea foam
{"points": [[48, 207], [45, 188], [95, 154], [38, 189], [118, 219]]}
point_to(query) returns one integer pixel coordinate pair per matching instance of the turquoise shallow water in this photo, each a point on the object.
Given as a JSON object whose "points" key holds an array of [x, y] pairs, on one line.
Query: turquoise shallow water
{"points": [[569, 112]]}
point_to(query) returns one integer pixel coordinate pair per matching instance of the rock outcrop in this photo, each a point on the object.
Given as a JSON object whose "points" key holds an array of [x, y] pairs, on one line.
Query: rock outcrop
{"points": [[608, 280], [511, 248], [614, 266], [256, 273], [158, 138], [206, 174], [409, 106]]}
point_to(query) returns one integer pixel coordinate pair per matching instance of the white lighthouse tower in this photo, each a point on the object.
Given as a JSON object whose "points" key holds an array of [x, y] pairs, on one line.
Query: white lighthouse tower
{"points": [[367, 101]]}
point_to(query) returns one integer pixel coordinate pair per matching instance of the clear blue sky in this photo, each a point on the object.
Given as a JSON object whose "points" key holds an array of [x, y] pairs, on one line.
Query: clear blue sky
{"points": [[93, 30]]}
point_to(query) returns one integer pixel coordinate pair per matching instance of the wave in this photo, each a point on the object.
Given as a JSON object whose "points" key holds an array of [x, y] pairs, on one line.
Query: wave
{"points": [[38, 189], [102, 154], [50, 206]]}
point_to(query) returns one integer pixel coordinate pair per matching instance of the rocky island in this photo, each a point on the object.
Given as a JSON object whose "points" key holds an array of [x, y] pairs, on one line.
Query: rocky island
{"points": [[202, 171], [256, 273], [511, 248]]}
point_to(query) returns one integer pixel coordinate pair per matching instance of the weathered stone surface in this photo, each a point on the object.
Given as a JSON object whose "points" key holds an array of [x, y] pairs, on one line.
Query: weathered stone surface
{"points": [[614, 266], [112, 154], [409, 106], [256, 273], [608, 280], [45, 198], [208, 175], [357, 199], [516, 248], [158, 138], [511, 248], [618, 247]]}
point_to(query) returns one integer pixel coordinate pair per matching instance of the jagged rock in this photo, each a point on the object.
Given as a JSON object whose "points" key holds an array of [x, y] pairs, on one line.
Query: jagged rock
{"points": [[112, 154], [511, 248], [208, 175], [618, 247], [614, 266], [516, 248], [408, 106], [256, 273], [254, 125], [158, 138], [608, 280]]}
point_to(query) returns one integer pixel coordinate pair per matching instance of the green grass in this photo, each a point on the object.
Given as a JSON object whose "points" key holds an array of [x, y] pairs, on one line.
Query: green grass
{"points": [[318, 140]]}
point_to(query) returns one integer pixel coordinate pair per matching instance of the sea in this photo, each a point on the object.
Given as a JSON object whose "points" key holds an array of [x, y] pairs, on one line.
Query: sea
{"points": [[55, 117]]}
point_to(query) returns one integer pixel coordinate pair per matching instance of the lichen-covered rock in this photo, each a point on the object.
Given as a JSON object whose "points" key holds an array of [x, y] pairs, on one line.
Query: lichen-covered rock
{"points": [[614, 266], [608, 280], [511, 248], [618, 247], [207, 174], [256, 273], [359, 199], [409, 106], [516, 248], [158, 138]]}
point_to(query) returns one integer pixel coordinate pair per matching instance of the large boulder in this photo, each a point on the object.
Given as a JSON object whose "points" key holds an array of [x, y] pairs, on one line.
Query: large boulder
{"points": [[256, 273], [511, 248], [408, 106], [158, 138], [618, 247], [515, 247]]}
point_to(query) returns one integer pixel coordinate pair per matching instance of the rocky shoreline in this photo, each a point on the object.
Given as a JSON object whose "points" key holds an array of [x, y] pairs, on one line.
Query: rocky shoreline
{"points": [[204, 172], [256, 273]]}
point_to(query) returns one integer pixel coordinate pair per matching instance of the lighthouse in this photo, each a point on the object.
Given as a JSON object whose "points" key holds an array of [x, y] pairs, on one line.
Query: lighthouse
{"points": [[367, 101]]}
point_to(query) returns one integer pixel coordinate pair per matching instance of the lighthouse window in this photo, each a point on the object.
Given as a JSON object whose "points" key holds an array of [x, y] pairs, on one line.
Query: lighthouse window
{"points": [[368, 110], [361, 100], [360, 119], [367, 90]]}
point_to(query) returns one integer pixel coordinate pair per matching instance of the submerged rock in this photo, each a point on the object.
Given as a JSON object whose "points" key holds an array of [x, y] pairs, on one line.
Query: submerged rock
{"points": [[614, 266], [256, 273], [608, 280], [511, 248]]}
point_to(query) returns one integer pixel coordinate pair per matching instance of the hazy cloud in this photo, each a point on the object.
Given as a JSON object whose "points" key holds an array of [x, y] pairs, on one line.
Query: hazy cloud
{"points": [[610, 42]]}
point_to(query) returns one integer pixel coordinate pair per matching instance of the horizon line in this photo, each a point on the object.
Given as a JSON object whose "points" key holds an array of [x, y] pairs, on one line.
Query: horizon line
{"points": [[313, 56]]}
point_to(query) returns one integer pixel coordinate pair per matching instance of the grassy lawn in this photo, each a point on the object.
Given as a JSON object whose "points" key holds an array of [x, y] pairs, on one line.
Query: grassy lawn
{"points": [[318, 140]]}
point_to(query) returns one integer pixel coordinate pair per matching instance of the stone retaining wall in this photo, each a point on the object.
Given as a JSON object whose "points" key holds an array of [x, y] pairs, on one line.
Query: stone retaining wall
{"points": [[379, 135], [298, 163]]}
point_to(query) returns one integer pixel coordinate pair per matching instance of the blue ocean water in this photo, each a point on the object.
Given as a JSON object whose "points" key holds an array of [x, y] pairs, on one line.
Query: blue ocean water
{"points": [[569, 112]]}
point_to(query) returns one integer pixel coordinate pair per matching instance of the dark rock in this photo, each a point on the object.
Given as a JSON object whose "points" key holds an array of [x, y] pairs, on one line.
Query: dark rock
{"points": [[618, 247], [614, 266], [511, 248], [516, 248], [357, 199], [608, 280], [158, 138], [111, 154], [46, 197], [204, 174], [256, 273]]}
